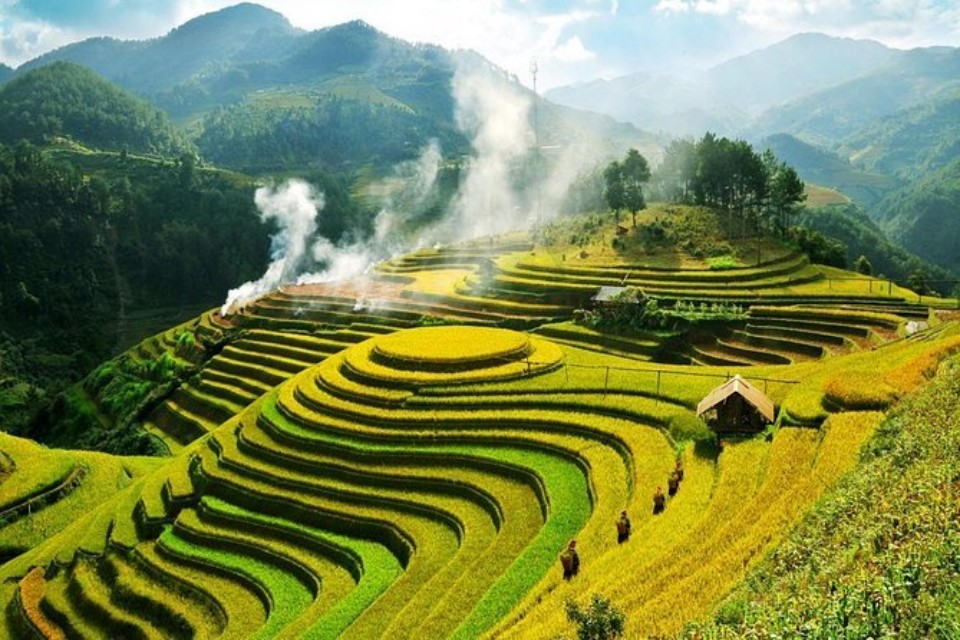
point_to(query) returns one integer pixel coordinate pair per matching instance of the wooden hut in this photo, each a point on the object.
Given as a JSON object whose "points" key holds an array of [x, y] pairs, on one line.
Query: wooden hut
{"points": [[736, 406]]}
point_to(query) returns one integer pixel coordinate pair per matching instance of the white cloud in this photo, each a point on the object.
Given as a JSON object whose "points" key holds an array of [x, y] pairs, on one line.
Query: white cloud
{"points": [[672, 6], [903, 23], [714, 7], [573, 51], [23, 41]]}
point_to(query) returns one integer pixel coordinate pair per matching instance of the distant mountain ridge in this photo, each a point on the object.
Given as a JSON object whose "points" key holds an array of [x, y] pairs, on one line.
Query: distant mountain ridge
{"points": [[259, 95], [913, 78], [924, 216], [5, 73], [726, 97], [199, 47], [831, 169], [813, 86], [911, 142]]}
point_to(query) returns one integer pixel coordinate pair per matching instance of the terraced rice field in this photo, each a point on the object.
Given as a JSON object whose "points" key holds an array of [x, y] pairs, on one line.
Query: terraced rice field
{"points": [[420, 484], [342, 468]]}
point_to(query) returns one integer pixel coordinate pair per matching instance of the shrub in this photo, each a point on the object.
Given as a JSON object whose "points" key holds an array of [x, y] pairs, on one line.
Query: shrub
{"points": [[722, 263], [686, 426], [599, 621]]}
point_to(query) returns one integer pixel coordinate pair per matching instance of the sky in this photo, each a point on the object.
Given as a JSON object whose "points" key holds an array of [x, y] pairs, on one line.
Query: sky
{"points": [[571, 40]]}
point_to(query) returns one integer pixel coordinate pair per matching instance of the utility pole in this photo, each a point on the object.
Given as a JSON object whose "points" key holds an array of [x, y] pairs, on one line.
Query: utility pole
{"points": [[536, 136]]}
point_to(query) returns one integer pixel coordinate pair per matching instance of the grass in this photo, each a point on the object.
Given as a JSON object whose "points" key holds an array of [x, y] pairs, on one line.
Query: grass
{"points": [[368, 482], [878, 556], [103, 477], [286, 599], [375, 567]]}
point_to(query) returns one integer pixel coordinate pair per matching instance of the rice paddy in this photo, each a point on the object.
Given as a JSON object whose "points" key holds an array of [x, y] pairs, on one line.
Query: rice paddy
{"points": [[406, 456]]}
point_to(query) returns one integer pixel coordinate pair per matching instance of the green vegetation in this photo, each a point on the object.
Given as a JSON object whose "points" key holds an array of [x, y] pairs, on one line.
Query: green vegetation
{"points": [[66, 100], [921, 216], [333, 133], [404, 454], [911, 143], [729, 175], [877, 556], [600, 621], [860, 236], [344, 469], [624, 184]]}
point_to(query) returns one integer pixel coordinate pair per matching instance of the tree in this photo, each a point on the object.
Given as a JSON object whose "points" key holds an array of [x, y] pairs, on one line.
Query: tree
{"points": [[636, 173], [614, 191], [624, 182], [917, 282], [862, 265], [786, 192], [677, 171], [600, 621]]}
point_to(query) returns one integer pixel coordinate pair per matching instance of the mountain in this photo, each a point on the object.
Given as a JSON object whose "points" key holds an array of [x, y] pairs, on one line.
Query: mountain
{"points": [[5, 73], [726, 97], [200, 48], [793, 68], [923, 216], [912, 78], [910, 143], [828, 168], [67, 100], [258, 95], [850, 224]]}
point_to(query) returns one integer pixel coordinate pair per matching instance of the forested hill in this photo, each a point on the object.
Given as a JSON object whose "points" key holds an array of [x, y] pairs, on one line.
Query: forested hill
{"points": [[5, 73], [260, 96], [910, 143], [66, 100], [90, 240], [204, 47], [925, 216]]}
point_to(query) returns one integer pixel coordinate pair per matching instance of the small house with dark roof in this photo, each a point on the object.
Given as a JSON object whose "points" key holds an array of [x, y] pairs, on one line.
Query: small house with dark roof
{"points": [[736, 406]]}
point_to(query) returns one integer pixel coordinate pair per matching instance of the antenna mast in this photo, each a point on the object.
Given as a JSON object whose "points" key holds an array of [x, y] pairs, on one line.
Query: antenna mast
{"points": [[536, 135]]}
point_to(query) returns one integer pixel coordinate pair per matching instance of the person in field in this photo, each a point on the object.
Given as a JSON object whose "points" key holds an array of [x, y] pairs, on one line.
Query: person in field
{"points": [[623, 528], [678, 469], [659, 501], [673, 484], [570, 560]]}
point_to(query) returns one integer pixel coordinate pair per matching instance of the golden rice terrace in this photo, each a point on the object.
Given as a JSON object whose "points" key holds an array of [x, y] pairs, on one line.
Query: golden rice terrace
{"points": [[405, 455]]}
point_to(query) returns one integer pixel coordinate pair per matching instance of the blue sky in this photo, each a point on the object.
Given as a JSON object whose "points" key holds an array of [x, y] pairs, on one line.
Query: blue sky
{"points": [[572, 40]]}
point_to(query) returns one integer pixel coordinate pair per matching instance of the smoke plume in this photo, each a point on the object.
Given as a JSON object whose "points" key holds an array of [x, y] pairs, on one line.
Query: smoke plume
{"points": [[294, 207], [506, 184], [493, 112]]}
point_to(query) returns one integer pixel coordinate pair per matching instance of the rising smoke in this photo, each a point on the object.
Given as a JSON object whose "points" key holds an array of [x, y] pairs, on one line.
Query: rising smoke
{"points": [[494, 113], [294, 207], [497, 192]]}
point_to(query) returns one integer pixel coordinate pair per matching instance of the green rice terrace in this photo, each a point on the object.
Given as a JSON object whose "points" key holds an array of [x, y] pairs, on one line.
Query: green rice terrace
{"points": [[406, 454]]}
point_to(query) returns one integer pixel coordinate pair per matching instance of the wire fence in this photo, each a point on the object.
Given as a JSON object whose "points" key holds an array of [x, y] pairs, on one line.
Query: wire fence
{"points": [[660, 374]]}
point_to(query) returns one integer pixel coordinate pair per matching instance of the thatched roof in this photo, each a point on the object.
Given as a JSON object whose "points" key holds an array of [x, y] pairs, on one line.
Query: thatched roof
{"points": [[747, 391]]}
